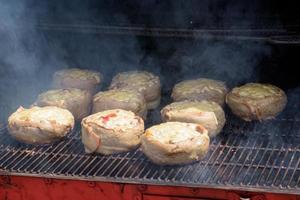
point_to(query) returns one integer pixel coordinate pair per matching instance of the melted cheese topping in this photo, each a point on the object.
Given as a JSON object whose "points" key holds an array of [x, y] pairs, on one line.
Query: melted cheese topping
{"points": [[137, 79], [114, 119], [61, 94], [173, 132], [257, 90], [199, 86], [80, 74], [119, 95]]}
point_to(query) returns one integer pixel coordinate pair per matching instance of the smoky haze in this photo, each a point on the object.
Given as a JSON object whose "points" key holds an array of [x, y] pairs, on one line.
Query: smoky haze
{"points": [[22, 56], [29, 56]]}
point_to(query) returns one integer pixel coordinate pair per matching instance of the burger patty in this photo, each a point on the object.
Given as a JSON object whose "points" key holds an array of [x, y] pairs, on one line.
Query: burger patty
{"points": [[141, 81], [120, 98], [77, 101], [207, 113], [256, 101], [200, 89], [111, 131], [77, 78], [40, 125], [175, 143]]}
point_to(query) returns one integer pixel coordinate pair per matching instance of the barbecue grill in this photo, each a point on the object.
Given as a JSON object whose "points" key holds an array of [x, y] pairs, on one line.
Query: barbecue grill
{"points": [[248, 160]]}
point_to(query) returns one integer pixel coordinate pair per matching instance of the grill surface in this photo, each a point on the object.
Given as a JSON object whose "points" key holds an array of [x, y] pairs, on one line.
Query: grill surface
{"points": [[246, 156]]}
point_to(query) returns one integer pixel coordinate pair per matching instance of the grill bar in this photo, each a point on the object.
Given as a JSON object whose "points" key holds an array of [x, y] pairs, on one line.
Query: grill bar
{"points": [[271, 34], [293, 174], [255, 156]]}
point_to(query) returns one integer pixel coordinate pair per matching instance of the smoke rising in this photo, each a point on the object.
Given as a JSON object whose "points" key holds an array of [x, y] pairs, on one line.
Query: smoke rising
{"points": [[30, 55], [233, 62], [22, 58]]}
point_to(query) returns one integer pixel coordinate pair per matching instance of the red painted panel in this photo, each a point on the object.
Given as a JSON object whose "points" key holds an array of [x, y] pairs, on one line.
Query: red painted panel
{"points": [[23, 188]]}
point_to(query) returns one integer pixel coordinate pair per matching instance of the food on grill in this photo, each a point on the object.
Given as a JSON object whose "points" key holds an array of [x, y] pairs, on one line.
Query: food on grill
{"points": [[144, 82], [40, 125], [112, 131], [78, 102], [200, 89], [207, 113], [120, 98], [77, 78], [255, 101], [175, 143]]}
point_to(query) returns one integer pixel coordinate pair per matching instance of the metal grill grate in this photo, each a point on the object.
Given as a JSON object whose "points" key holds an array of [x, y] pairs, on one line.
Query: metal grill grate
{"points": [[246, 156]]}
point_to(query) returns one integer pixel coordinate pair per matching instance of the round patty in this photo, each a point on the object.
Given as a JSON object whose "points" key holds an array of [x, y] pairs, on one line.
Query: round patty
{"points": [[200, 89], [40, 125], [120, 98], [77, 101], [207, 113], [256, 101], [141, 81], [175, 143], [111, 131], [77, 78]]}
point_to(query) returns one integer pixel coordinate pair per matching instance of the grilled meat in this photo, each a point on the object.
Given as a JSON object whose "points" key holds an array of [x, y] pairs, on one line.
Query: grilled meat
{"points": [[175, 143], [111, 131], [77, 78], [78, 102], [40, 125], [207, 113], [141, 81], [122, 99], [255, 101], [200, 89]]}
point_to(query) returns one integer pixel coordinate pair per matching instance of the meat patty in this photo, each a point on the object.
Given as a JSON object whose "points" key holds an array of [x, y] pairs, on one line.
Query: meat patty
{"points": [[200, 89], [112, 131], [207, 113], [40, 125], [175, 143], [256, 101], [77, 101], [77, 78], [120, 98], [141, 81]]}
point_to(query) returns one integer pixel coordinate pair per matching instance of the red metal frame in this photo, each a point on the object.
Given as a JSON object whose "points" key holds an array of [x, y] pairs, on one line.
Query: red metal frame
{"points": [[21, 188]]}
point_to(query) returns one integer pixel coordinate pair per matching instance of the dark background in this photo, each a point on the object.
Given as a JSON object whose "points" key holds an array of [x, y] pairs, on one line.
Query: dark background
{"points": [[29, 54], [172, 13]]}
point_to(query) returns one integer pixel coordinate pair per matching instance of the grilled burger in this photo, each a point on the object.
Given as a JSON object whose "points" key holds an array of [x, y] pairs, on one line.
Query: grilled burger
{"points": [[207, 113], [200, 89], [111, 131], [77, 78], [144, 82], [256, 101], [40, 125], [77, 101], [122, 99], [175, 143]]}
